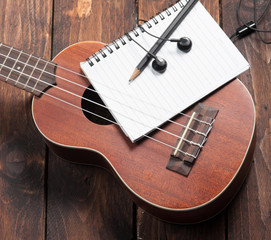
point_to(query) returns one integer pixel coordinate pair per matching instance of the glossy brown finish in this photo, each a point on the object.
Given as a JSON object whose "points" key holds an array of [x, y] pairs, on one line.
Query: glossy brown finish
{"points": [[44, 197], [141, 166], [88, 203]]}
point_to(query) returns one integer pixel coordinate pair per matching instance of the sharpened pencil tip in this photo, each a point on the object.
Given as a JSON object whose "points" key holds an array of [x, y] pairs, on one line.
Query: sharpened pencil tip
{"points": [[134, 75]]}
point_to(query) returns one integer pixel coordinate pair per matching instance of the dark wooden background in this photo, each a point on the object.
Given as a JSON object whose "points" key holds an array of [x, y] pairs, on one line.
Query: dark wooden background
{"points": [[45, 197]]}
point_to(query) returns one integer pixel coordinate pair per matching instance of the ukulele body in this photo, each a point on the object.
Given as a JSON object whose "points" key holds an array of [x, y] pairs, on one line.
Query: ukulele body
{"points": [[215, 178]]}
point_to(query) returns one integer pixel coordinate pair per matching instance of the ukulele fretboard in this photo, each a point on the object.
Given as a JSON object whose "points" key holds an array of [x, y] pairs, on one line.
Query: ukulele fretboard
{"points": [[25, 71]]}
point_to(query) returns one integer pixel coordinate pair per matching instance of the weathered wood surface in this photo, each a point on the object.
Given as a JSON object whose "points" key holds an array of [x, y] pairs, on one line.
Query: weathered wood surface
{"points": [[44, 197], [83, 197], [23, 24], [249, 216]]}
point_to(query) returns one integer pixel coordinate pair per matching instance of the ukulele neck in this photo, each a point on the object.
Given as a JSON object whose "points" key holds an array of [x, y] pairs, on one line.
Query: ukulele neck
{"points": [[25, 71]]}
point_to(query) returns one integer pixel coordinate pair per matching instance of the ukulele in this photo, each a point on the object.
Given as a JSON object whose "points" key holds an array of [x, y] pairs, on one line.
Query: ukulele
{"points": [[192, 181]]}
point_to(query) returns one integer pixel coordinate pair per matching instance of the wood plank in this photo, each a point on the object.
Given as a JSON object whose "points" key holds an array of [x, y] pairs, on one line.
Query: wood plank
{"points": [[249, 215], [85, 202], [149, 8], [149, 227], [88, 20], [88, 203], [22, 151]]}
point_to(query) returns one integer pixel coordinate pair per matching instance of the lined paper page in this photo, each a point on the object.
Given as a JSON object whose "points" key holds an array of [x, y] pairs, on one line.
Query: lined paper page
{"points": [[153, 98]]}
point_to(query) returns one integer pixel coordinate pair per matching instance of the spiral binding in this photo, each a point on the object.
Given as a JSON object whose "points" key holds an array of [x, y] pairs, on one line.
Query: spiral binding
{"points": [[116, 44]]}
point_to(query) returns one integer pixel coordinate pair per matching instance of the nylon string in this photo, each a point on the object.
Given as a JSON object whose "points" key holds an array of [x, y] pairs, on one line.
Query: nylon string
{"points": [[116, 90], [113, 122], [12, 69], [16, 81]]}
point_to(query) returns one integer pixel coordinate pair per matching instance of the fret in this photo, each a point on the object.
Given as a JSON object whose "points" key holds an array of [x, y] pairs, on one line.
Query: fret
{"points": [[39, 78], [27, 67], [13, 66], [5, 60], [30, 75], [26, 71], [20, 75]]}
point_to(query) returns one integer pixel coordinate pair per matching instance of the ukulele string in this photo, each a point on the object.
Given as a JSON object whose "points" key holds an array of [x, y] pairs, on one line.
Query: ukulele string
{"points": [[157, 128], [93, 90], [74, 94], [97, 115], [101, 105], [146, 114]]}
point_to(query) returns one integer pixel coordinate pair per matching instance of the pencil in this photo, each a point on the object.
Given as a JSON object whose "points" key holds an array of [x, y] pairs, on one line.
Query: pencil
{"points": [[161, 41]]}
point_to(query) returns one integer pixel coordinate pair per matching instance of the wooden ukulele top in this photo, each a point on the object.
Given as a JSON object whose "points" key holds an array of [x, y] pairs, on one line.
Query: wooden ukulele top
{"points": [[141, 167]]}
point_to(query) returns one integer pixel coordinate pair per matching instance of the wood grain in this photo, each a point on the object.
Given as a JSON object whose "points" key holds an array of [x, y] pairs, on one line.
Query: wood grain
{"points": [[249, 215], [26, 24], [149, 8], [22, 151], [141, 167], [86, 202], [89, 20], [159, 229]]}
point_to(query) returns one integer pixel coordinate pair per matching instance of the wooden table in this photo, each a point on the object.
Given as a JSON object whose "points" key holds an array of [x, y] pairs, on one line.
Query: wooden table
{"points": [[45, 197]]}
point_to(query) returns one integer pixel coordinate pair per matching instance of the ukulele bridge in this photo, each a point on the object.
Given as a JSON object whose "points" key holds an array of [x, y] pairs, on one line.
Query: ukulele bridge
{"points": [[191, 140]]}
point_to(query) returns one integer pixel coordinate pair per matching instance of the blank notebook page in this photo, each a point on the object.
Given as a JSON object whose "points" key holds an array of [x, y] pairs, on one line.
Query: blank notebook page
{"points": [[153, 98]]}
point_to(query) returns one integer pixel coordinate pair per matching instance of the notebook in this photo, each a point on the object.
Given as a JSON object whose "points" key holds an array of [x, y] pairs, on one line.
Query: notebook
{"points": [[154, 98]]}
